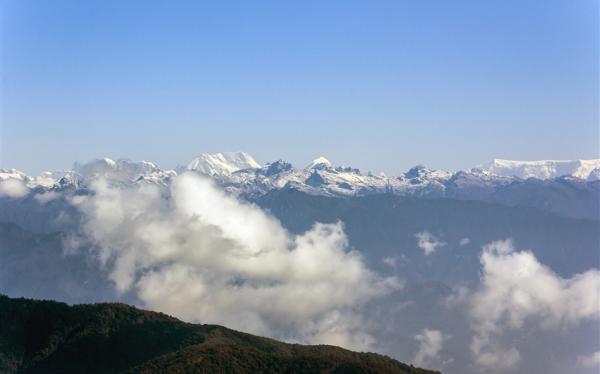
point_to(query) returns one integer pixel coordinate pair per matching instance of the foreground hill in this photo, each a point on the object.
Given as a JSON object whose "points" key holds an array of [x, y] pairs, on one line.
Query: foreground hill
{"points": [[53, 337]]}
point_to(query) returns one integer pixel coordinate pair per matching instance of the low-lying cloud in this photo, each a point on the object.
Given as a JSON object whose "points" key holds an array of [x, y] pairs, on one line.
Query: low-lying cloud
{"points": [[428, 242], [589, 361], [13, 188], [430, 344], [517, 289], [45, 197], [199, 254]]}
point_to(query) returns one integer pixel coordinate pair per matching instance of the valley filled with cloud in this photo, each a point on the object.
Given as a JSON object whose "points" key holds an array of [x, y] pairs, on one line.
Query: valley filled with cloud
{"points": [[308, 268]]}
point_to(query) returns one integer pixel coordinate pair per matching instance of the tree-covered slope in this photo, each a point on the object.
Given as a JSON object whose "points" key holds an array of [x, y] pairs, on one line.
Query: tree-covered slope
{"points": [[52, 337]]}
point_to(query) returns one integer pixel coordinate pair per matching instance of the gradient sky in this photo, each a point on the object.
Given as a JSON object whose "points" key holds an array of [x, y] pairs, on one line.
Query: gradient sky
{"points": [[380, 85]]}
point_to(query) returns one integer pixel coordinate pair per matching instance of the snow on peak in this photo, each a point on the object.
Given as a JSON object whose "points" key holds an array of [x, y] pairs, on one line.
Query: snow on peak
{"points": [[108, 161], [422, 173], [221, 164], [96, 167], [594, 175], [120, 171], [542, 169], [277, 167], [240, 173], [12, 174], [416, 171], [319, 163], [107, 167]]}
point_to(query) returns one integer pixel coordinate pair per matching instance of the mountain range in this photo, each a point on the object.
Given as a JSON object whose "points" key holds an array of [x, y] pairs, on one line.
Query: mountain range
{"points": [[570, 188], [429, 229]]}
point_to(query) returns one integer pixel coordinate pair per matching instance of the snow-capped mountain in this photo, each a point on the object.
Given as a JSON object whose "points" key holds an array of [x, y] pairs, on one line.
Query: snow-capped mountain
{"points": [[221, 164], [543, 169], [239, 172], [115, 169], [45, 253], [534, 183], [122, 171], [319, 163], [46, 179]]}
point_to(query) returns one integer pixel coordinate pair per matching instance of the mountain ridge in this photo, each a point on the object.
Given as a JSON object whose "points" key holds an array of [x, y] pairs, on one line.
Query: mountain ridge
{"points": [[543, 169], [227, 163], [542, 184], [47, 336]]}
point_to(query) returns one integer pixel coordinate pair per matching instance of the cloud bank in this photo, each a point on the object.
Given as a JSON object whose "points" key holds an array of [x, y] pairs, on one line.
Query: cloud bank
{"points": [[430, 343], [589, 361], [199, 254], [13, 188], [515, 289]]}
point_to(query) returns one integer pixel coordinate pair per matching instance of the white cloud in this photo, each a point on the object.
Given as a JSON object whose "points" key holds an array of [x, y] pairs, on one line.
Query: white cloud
{"points": [[589, 361], [428, 242], [390, 261], [199, 254], [464, 241], [430, 343], [459, 296], [13, 188], [516, 288], [46, 197], [491, 356]]}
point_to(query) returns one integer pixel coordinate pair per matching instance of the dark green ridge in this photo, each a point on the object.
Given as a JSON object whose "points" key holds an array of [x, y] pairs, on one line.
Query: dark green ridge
{"points": [[52, 337]]}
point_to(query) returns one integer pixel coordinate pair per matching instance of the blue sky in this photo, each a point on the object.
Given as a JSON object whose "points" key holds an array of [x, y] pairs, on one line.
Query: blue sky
{"points": [[380, 85]]}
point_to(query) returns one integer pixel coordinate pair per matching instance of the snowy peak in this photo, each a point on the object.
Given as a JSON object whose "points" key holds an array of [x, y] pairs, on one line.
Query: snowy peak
{"points": [[421, 174], [96, 167], [46, 179], [277, 167], [315, 180], [594, 175], [319, 163], [416, 172], [543, 169], [239, 173], [122, 169], [221, 164], [12, 174]]}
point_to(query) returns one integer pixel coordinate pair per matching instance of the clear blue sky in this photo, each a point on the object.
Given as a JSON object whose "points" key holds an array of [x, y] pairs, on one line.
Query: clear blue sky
{"points": [[380, 85]]}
